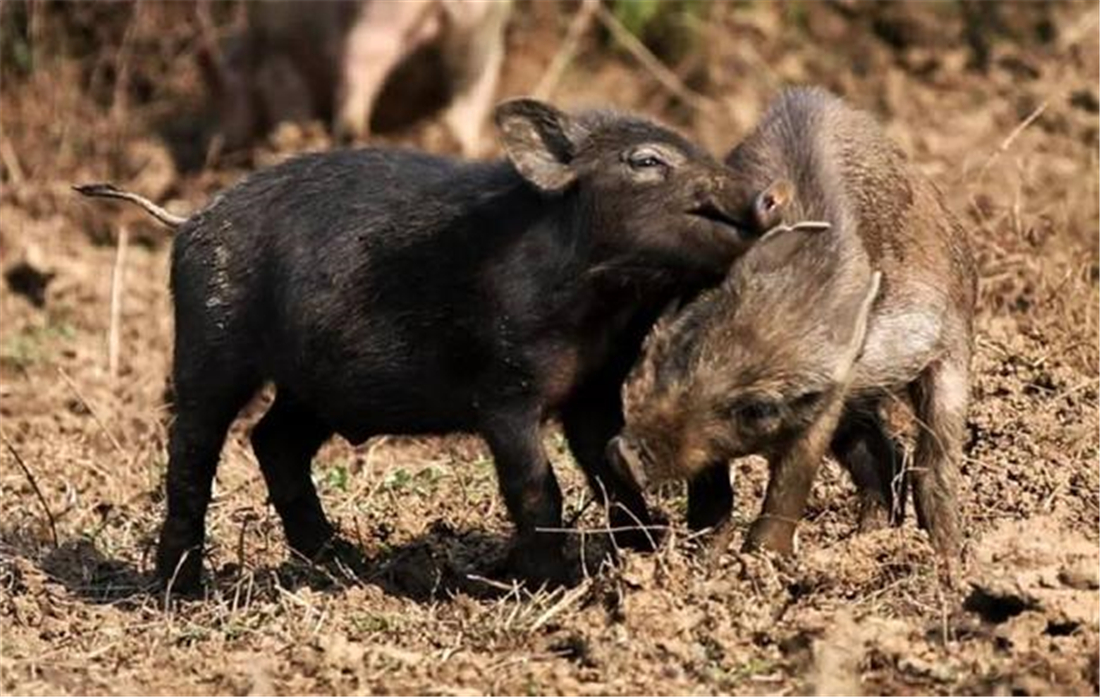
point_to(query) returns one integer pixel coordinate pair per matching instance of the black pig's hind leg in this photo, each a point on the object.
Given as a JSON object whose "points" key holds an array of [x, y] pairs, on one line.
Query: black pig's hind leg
{"points": [[863, 446], [285, 441], [205, 406]]}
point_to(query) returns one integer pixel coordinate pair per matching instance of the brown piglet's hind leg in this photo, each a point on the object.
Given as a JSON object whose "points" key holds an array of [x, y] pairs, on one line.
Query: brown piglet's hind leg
{"points": [[940, 397]]}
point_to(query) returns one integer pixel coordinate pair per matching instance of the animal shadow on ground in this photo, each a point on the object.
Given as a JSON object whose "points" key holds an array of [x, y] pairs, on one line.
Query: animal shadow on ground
{"points": [[78, 564], [441, 563]]}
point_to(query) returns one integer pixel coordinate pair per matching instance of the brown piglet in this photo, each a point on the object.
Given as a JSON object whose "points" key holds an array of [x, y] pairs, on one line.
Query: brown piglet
{"points": [[795, 354]]}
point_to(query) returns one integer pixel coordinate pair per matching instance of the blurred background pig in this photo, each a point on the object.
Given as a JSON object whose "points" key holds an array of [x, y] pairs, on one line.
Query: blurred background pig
{"points": [[297, 60]]}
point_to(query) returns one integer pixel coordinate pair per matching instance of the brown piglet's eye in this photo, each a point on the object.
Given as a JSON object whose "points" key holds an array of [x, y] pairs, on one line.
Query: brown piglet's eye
{"points": [[758, 411], [755, 411], [807, 400]]}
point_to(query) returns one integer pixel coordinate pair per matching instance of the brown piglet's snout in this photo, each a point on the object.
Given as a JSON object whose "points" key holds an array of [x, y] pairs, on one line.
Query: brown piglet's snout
{"points": [[626, 461]]}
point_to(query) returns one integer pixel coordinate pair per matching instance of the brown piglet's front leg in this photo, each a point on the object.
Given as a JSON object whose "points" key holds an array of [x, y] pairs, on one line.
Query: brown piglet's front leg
{"points": [[792, 475]]}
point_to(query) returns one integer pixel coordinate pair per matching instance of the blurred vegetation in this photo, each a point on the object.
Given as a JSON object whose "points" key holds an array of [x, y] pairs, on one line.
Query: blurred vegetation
{"points": [[16, 56], [33, 31], [34, 345], [670, 28]]}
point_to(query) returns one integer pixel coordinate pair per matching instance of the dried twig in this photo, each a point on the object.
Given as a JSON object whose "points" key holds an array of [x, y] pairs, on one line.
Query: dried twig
{"points": [[1011, 138], [581, 510], [119, 99], [568, 51], [11, 161], [566, 600], [605, 530], [34, 485], [80, 396], [492, 583], [651, 63], [1022, 125], [116, 302]]}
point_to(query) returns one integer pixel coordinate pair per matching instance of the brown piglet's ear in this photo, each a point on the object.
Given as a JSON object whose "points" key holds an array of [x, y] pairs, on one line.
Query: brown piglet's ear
{"points": [[854, 319], [769, 205], [774, 251], [540, 140]]}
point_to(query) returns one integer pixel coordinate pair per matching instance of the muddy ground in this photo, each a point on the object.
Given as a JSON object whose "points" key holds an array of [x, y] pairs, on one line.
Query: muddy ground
{"points": [[1004, 119]]}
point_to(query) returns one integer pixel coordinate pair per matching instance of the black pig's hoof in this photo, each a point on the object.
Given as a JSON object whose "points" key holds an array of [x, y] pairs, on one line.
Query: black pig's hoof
{"points": [[179, 570], [540, 565], [338, 556]]}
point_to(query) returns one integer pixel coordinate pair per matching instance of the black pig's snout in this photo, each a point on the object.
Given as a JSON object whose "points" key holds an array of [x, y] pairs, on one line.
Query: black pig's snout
{"points": [[709, 201], [705, 191]]}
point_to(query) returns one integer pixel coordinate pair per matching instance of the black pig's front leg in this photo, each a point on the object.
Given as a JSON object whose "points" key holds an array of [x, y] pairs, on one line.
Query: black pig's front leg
{"points": [[590, 420], [710, 498], [530, 492]]}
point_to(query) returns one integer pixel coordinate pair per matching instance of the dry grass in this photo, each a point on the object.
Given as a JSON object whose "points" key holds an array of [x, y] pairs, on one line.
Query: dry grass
{"points": [[852, 612]]}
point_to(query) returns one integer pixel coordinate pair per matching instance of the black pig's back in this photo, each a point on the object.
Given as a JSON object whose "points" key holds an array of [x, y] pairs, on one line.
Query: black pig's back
{"points": [[355, 279]]}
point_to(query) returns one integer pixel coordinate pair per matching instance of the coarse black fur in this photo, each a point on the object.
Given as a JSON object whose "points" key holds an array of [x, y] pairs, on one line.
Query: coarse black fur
{"points": [[387, 291]]}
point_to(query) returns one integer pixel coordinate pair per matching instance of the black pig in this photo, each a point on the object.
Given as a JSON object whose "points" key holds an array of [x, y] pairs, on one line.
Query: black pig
{"points": [[387, 291]]}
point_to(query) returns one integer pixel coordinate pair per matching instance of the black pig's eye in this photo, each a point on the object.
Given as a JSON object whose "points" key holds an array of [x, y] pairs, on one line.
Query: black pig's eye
{"points": [[645, 158]]}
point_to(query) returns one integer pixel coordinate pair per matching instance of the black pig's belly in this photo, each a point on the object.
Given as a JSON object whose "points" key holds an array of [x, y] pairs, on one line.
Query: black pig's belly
{"points": [[358, 405]]}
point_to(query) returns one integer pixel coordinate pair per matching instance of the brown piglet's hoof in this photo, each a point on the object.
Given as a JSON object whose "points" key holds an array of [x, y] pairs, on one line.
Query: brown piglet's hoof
{"points": [[873, 516], [772, 534]]}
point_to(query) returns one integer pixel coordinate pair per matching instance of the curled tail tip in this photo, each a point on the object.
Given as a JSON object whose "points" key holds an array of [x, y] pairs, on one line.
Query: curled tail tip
{"points": [[106, 190], [96, 189]]}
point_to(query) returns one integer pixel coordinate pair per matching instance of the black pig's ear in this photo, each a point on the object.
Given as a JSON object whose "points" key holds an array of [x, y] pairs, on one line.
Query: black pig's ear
{"points": [[769, 204], [541, 142]]}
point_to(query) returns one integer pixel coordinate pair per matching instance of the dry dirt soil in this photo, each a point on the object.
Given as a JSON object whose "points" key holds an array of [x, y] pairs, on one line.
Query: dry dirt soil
{"points": [[1003, 117]]}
